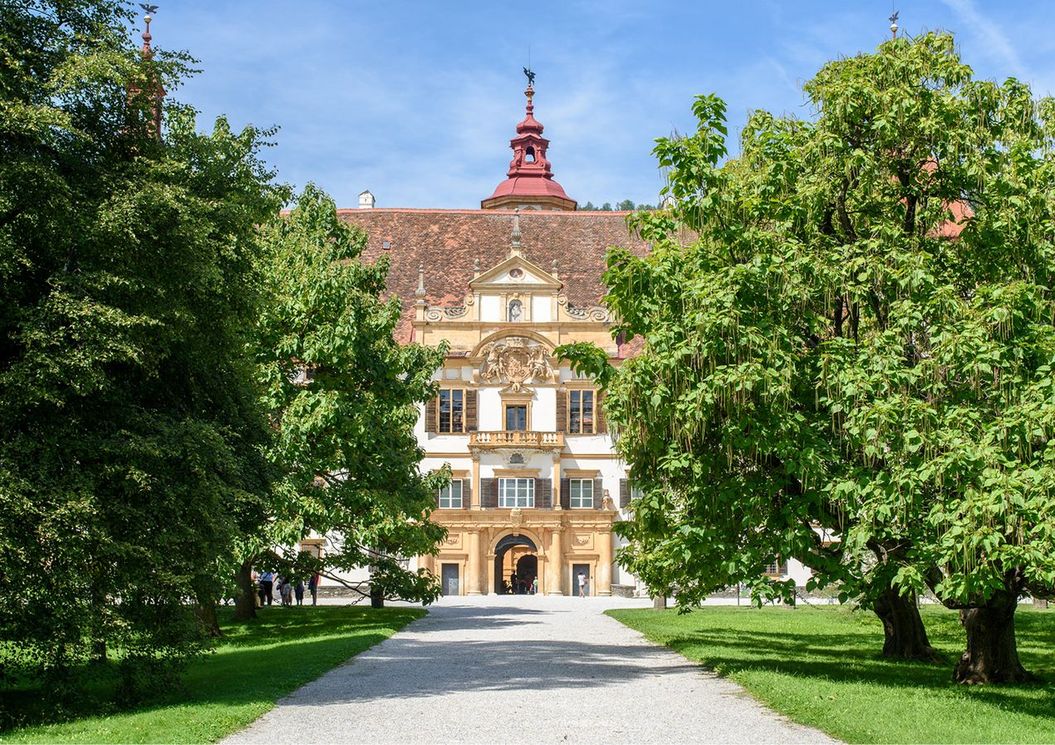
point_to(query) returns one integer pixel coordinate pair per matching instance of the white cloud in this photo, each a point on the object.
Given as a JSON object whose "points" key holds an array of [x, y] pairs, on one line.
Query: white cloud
{"points": [[995, 42]]}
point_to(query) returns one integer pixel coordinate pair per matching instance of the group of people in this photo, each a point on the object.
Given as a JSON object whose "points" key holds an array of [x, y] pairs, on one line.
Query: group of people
{"points": [[520, 585], [288, 589]]}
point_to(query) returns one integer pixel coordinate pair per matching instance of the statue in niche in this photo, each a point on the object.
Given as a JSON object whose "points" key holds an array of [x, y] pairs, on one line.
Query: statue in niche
{"points": [[516, 310]]}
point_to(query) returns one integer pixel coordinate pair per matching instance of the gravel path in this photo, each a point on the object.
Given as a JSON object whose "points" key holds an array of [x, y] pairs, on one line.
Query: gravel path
{"points": [[527, 669]]}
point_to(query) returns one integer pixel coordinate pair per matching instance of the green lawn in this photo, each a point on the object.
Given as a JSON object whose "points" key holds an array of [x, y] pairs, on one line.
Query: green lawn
{"points": [[821, 667], [254, 665]]}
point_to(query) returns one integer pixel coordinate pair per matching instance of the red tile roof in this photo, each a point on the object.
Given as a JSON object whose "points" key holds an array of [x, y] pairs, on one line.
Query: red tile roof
{"points": [[447, 242]]}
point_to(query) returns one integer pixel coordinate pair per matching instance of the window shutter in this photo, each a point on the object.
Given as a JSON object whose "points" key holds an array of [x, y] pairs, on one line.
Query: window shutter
{"points": [[489, 493], [600, 424], [562, 411], [565, 494], [544, 493], [430, 414], [598, 493], [624, 493], [472, 401], [467, 493]]}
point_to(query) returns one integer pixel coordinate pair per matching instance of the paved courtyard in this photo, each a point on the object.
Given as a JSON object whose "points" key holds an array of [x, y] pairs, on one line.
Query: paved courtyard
{"points": [[521, 669]]}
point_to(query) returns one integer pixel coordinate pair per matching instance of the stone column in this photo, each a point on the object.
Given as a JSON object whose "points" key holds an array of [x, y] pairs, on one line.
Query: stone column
{"points": [[556, 479], [554, 562], [474, 497], [604, 562], [473, 563]]}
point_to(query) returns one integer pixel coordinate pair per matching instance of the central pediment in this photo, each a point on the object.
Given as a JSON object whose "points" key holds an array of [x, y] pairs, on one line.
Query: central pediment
{"points": [[516, 272]]}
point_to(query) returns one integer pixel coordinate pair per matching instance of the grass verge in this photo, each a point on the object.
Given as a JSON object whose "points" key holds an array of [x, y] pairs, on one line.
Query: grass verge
{"points": [[821, 667], [255, 664]]}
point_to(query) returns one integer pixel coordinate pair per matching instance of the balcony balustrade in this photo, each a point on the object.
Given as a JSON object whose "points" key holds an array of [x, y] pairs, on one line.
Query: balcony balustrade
{"points": [[516, 440]]}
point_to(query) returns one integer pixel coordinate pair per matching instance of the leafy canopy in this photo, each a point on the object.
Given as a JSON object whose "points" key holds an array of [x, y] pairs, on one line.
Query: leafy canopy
{"points": [[849, 326]]}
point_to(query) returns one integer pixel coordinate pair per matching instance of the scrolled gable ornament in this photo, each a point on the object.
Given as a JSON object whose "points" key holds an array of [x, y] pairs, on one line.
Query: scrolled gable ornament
{"points": [[517, 362]]}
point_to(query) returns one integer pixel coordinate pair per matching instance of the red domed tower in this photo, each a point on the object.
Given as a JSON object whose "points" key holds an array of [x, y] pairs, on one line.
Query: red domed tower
{"points": [[530, 183]]}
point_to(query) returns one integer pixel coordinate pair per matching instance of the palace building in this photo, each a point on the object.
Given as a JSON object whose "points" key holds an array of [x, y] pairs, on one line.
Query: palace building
{"points": [[536, 484]]}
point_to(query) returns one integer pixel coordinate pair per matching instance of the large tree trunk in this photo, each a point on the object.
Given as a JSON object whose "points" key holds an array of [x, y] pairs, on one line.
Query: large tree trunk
{"points": [[659, 602], [245, 600], [992, 655], [206, 612], [377, 597], [905, 637]]}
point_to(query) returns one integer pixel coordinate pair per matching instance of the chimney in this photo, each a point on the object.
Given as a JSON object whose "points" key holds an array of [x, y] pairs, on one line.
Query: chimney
{"points": [[366, 201]]}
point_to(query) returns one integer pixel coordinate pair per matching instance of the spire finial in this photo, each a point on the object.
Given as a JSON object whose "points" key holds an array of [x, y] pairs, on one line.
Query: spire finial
{"points": [[420, 292], [149, 11], [893, 24], [515, 240], [476, 267]]}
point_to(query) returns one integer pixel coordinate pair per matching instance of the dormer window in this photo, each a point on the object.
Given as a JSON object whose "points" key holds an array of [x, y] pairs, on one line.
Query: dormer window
{"points": [[516, 310]]}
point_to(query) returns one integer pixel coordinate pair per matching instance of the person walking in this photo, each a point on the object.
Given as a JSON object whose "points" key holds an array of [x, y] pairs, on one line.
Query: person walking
{"points": [[582, 584], [313, 587], [298, 591], [267, 586]]}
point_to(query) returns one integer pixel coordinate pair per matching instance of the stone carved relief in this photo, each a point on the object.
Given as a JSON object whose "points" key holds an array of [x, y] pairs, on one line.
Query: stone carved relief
{"points": [[516, 361], [445, 313], [582, 312]]}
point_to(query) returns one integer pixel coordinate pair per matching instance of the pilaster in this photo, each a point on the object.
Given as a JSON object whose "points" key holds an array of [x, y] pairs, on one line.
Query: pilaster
{"points": [[554, 563]]}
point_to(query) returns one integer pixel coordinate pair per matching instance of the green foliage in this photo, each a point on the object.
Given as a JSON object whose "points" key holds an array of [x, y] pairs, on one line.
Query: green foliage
{"points": [[131, 428], [829, 341], [818, 666], [343, 395], [255, 664], [627, 205]]}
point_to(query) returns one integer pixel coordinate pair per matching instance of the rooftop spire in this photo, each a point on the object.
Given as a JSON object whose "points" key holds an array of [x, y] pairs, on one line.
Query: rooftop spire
{"points": [[893, 24], [157, 94], [149, 11], [529, 181]]}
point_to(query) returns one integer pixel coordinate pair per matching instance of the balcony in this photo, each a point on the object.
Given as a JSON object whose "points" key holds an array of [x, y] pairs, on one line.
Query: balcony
{"points": [[513, 440]]}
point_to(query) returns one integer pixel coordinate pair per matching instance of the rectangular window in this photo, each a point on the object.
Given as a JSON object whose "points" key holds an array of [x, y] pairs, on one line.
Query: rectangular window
{"points": [[516, 418], [580, 412], [451, 495], [452, 411], [516, 492], [776, 568], [580, 493]]}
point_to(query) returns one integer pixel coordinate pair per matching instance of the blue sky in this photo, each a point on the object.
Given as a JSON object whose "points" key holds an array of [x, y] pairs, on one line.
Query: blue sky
{"points": [[416, 101]]}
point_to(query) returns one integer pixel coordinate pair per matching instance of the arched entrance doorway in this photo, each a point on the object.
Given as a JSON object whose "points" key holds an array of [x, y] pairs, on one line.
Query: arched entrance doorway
{"points": [[516, 565]]}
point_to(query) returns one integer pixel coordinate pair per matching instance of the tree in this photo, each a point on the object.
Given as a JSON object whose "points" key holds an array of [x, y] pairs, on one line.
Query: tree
{"points": [[131, 425], [627, 205], [858, 338], [344, 397]]}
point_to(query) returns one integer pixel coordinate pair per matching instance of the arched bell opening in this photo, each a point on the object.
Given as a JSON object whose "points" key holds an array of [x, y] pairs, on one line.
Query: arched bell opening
{"points": [[516, 565]]}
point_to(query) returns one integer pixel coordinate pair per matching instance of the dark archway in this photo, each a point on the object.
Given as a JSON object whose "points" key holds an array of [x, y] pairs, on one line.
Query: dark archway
{"points": [[519, 583]]}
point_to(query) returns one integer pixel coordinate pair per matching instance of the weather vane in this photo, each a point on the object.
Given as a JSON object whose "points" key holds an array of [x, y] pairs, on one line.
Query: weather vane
{"points": [[893, 23], [149, 9], [530, 74]]}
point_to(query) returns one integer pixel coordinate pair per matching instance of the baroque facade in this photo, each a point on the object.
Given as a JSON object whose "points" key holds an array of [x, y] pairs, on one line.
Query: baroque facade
{"points": [[536, 483]]}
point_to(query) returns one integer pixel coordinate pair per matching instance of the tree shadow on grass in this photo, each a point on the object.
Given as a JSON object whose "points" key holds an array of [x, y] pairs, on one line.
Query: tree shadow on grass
{"points": [[255, 662], [854, 658]]}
